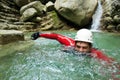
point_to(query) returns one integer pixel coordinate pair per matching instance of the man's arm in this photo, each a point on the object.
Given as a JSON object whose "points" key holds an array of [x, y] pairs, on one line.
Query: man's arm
{"points": [[60, 38], [100, 55]]}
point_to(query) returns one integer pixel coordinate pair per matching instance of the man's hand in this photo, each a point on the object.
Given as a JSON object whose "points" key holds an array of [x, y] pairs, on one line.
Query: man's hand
{"points": [[34, 36]]}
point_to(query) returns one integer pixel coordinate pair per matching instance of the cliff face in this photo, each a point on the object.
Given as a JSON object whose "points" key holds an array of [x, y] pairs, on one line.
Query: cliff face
{"points": [[10, 17], [111, 15], [9, 12]]}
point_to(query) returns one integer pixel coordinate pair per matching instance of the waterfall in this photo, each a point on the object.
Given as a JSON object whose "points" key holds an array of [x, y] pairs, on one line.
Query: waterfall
{"points": [[97, 17]]}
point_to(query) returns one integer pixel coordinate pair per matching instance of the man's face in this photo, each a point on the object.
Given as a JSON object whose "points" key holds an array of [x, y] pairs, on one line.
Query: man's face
{"points": [[83, 47]]}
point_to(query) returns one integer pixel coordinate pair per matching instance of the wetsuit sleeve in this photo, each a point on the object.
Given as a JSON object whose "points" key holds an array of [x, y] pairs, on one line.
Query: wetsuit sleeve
{"points": [[98, 54], [60, 38]]}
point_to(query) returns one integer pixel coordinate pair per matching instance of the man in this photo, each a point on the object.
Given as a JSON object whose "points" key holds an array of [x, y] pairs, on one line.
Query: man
{"points": [[82, 43]]}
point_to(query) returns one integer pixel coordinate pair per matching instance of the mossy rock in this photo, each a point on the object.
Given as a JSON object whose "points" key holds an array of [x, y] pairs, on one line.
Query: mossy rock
{"points": [[56, 20]]}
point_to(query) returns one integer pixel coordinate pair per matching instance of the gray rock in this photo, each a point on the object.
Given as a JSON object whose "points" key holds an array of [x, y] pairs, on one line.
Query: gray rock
{"points": [[118, 27], [8, 36], [27, 14], [36, 19], [50, 6], [77, 11], [36, 4], [116, 19], [108, 20], [21, 3], [110, 28]]}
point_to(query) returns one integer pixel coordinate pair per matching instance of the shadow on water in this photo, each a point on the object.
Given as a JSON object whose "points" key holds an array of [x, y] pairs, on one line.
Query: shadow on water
{"points": [[43, 59]]}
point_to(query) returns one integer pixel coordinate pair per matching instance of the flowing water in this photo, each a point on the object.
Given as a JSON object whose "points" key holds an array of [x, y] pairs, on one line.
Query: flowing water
{"points": [[97, 17], [43, 59]]}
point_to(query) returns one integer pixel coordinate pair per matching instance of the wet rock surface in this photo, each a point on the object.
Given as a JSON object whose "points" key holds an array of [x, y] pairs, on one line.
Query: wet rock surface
{"points": [[8, 36]]}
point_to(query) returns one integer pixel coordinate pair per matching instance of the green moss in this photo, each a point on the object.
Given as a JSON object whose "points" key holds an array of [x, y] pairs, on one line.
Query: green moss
{"points": [[56, 20]]}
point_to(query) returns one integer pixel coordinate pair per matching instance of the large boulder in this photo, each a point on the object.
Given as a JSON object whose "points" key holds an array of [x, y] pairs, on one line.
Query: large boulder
{"points": [[31, 10], [8, 36], [28, 14], [37, 5], [79, 12]]}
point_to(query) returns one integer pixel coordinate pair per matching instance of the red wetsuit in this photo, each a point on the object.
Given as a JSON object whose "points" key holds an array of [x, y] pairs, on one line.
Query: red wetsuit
{"points": [[71, 42]]}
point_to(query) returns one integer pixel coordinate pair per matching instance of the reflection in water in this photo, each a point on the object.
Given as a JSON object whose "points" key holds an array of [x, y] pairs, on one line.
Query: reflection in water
{"points": [[43, 59]]}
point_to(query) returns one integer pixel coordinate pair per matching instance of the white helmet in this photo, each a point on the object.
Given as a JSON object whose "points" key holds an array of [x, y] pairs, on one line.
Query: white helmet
{"points": [[84, 35]]}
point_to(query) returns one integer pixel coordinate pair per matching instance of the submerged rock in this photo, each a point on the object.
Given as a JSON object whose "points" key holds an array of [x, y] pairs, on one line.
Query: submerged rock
{"points": [[8, 36]]}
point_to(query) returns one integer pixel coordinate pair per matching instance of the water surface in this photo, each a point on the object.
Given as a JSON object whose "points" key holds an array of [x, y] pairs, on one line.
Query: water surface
{"points": [[43, 59]]}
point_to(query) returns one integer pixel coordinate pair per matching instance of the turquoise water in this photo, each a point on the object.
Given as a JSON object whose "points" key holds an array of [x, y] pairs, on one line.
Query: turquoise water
{"points": [[43, 59], [109, 43]]}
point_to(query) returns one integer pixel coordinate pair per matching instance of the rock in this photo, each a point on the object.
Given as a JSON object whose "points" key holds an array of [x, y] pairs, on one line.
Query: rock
{"points": [[46, 1], [21, 3], [36, 5], [107, 14], [23, 26], [47, 27], [8, 36], [108, 20], [46, 22], [36, 19], [4, 26], [118, 27], [111, 15], [50, 6], [28, 14], [110, 28], [51, 22], [116, 19], [79, 12]]}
